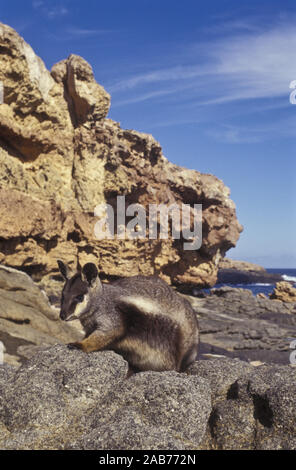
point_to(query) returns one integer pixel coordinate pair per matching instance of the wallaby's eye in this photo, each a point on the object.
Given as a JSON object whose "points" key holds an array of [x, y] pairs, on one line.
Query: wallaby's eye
{"points": [[79, 298]]}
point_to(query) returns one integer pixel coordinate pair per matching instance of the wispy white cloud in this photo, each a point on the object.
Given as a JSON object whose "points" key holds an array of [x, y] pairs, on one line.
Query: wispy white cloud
{"points": [[37, 3], [231, 134], [50, 11], [144, 97], [246, 67], [176, 122], [73, 33], [237, 134], [177, 73], [254, 64], [57, 11], [81, 32], [165, 91], [234, 25]]}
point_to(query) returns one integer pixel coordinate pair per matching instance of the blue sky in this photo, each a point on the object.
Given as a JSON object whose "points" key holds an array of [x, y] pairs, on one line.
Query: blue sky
{"points": [[208, 79]]}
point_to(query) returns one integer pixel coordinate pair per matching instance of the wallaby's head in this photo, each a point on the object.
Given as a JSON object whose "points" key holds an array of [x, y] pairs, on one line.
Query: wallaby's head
{"points": [[79, 290]]}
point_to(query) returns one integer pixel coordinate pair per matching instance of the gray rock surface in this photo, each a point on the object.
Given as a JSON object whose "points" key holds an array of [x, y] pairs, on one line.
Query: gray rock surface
{"points": [[27, 320], [67, 399], [221, 373], [255, 411], [126, 429], [62, 398], [241, 276], [235, 323]]}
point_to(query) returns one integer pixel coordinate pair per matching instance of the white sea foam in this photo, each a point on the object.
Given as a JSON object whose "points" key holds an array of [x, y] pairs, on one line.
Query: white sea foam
{"points": [[289, 278], [262, 284]]}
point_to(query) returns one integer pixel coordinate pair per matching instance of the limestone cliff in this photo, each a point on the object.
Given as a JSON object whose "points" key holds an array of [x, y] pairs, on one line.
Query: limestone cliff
{"points": [[60, 157]]}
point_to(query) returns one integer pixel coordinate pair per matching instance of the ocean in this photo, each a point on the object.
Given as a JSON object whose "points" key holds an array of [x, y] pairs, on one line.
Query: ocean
{"points": [[287, 275]]}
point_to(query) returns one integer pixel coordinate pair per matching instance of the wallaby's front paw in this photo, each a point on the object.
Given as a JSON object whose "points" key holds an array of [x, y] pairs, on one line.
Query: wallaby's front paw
{"points": [[74, 346]]}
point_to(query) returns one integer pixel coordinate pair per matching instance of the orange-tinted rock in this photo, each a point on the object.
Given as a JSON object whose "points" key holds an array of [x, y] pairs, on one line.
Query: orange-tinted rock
{"points": [[284, 291]]}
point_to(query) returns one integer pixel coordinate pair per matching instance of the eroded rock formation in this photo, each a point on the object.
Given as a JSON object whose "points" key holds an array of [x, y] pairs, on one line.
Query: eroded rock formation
{"points": [[235, 323], [228, 263], [60, 157], [243, 272], [284, 291]]}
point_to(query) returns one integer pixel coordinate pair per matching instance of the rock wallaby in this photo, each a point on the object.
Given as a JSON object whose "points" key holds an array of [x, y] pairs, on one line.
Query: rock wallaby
{"points": [[141, 318]]}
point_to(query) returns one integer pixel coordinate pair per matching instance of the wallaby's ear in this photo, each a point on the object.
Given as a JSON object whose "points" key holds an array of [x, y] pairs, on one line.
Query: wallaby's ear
{"points": [[90, 274], [64, 269]]}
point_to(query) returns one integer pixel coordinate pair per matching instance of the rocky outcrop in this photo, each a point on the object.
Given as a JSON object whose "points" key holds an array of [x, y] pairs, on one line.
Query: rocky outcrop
{"points": [[284, 291], [235, 323], [66, 399], [255, 411], [242, 272], [227, 263], [60, 157], [85, 97]]}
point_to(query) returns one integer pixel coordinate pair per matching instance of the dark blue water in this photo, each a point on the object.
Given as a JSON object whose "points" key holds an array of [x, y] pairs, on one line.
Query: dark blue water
{"points": [[287, 275]]}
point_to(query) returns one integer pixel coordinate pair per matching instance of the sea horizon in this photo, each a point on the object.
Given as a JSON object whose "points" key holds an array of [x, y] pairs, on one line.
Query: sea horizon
{"points": [[288, 274]]}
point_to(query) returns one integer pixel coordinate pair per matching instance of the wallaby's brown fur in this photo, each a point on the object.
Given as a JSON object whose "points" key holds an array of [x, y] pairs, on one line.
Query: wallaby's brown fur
{"points": [[141, 318]]}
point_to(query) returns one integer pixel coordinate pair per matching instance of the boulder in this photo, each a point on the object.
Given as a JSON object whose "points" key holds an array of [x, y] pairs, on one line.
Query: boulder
{"points": [[257, 411], [242, 272], [27, 320], [271, 391], [284, 291], [67, 399], [221, 373], [235, 323], [241, 276], [85, 96], [63, 398], [228, 263]]}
